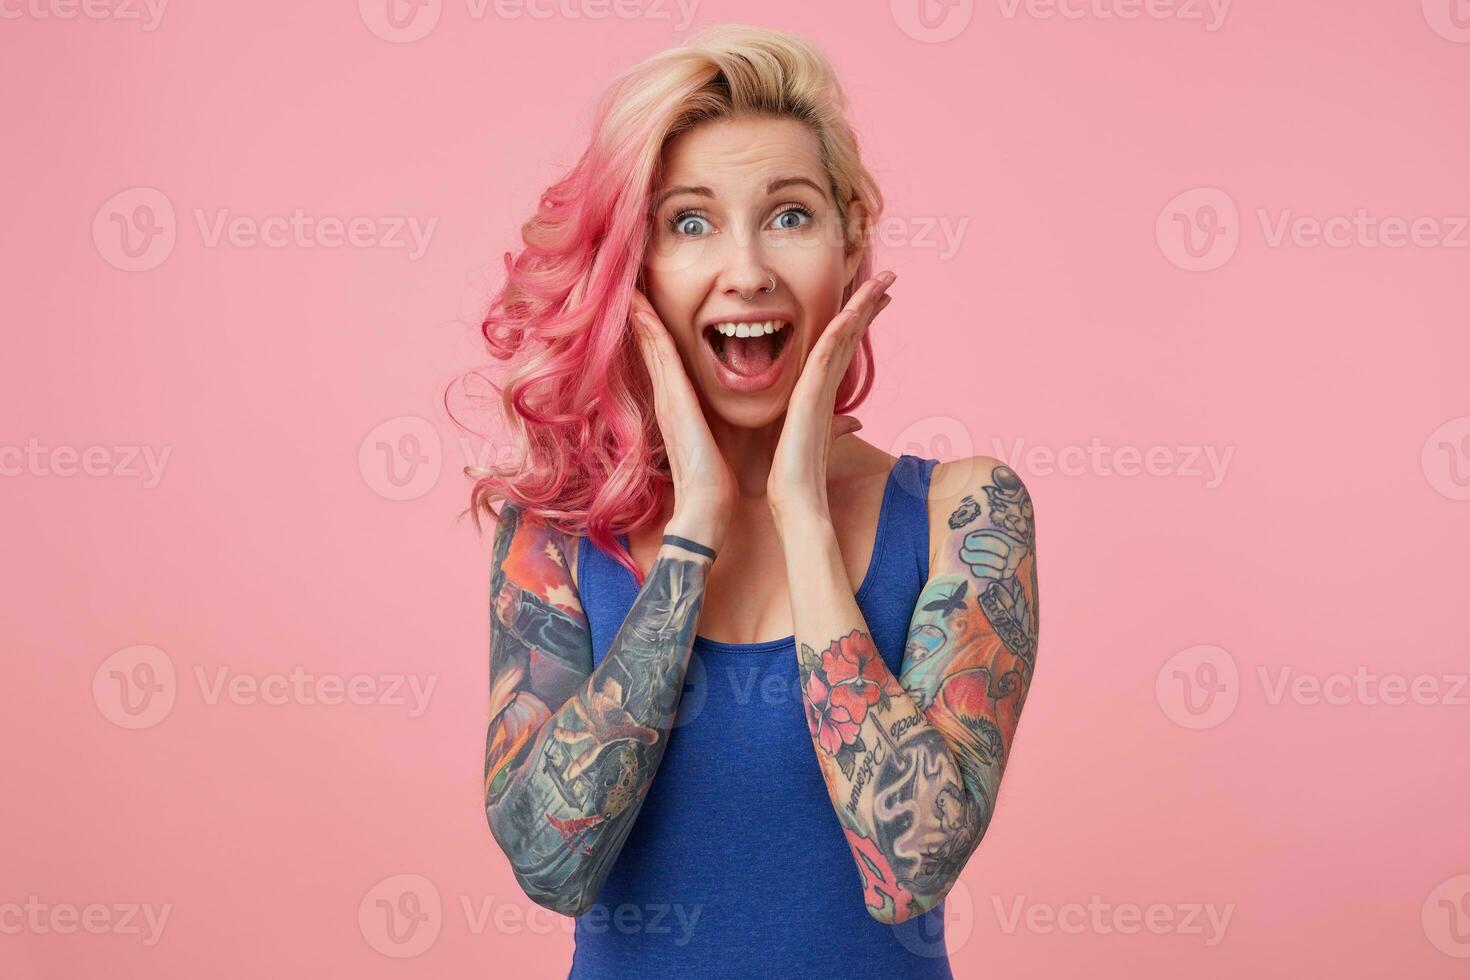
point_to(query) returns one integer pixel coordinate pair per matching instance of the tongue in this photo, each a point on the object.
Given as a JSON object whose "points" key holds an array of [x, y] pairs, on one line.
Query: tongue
{"points": [[749, 356]]}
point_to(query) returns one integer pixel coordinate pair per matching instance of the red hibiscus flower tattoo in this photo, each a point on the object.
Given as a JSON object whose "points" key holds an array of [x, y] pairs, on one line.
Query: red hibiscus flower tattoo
{"points": [[832, 724], [852, 667], [843, 682]]}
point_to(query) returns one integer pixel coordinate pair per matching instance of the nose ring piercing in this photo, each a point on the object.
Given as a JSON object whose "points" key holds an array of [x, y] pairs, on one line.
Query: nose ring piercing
{"points": [[765, 289]]}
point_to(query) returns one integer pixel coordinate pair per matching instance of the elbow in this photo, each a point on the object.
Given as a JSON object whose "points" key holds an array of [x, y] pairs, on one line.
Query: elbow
{"points": [[563, 904], [563, 901], [882, 914], [569, 898], [560, 898], [891, 915]]}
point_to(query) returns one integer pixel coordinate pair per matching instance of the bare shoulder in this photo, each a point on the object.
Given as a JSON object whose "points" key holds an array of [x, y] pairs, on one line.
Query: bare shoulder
{"points": [[855, 461], [857, 473]]}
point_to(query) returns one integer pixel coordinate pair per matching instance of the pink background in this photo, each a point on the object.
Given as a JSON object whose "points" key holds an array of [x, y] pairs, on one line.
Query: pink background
{"points": [[305, 516]]}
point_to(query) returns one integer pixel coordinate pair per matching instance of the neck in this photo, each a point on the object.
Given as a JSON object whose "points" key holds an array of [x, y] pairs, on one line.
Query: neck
{"points": [[748, 452]]}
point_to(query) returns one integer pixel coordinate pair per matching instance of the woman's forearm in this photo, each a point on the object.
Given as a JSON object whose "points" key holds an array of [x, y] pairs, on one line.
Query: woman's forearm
{"points": [[894, 784], [565, 809]]}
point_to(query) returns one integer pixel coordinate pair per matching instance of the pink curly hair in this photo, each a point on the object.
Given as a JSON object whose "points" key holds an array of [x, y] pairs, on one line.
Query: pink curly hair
{"points": [[579, 399]]}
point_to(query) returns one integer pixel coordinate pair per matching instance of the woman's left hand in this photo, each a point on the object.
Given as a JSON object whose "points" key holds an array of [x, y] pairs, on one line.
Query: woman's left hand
{"points": [[797, 486]]}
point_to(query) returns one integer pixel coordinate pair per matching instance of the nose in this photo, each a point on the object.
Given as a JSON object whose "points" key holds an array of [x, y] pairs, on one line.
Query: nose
{"points": [[747, 273]]}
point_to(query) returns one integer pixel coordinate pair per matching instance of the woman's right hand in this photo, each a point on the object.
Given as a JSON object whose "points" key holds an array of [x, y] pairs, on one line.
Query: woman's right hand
{"points": [[704, 487]]}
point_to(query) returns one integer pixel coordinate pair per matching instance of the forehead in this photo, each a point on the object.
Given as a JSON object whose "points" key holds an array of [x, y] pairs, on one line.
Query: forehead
{"points": [[738, 156]]}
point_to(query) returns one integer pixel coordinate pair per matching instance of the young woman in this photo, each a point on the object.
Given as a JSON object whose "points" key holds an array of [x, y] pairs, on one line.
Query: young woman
{"points": [[753, 681]]}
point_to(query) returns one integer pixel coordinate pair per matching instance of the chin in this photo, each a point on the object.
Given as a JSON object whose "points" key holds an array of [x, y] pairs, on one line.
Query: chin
{"points": [[746, 411]]}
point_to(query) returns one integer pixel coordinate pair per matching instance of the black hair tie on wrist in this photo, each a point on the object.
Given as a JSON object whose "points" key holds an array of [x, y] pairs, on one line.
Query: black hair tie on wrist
{"points": [[694, 546]]}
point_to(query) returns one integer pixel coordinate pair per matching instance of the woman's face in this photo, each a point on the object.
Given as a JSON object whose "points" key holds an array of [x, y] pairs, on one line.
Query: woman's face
{"points": [[742, 201]]}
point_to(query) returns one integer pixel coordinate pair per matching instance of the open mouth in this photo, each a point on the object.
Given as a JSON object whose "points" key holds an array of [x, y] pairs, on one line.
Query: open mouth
{"points": [[752, 355]]}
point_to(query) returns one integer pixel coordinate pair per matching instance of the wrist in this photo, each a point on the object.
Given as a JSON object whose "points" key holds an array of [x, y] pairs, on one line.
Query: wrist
{"points": [[802, 526], [706, 529]]}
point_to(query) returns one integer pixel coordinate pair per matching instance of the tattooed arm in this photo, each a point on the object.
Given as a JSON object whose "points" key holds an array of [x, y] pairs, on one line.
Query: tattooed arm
{"points": [[913, 764], [571, 751]]}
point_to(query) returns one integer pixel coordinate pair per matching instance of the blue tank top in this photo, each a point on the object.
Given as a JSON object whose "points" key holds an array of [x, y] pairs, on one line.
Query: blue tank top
{"points": [[736, 865]]}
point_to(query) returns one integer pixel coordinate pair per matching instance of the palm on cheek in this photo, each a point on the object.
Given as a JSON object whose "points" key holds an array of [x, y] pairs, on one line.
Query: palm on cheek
{"points": [[798, 480]]}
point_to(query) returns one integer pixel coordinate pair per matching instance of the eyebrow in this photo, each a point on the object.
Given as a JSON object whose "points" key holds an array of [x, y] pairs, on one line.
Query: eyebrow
{"points": [[771, 188]]}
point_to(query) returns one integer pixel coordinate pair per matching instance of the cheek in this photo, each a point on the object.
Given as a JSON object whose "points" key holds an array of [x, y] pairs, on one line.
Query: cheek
{"points": [[675, 302], [815, 276]]}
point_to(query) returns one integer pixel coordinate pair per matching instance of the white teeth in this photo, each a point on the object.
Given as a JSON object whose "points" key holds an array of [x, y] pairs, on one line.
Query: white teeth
{"points": [[733, 329]]}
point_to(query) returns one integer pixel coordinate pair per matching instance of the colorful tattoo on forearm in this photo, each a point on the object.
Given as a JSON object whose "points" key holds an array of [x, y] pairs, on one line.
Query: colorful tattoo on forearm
{"points": [[571, 751], [914, 764]]}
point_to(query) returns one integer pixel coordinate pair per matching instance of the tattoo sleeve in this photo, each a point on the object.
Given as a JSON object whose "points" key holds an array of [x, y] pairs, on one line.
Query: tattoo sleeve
{"points": [[571, 751], [913, 764]]}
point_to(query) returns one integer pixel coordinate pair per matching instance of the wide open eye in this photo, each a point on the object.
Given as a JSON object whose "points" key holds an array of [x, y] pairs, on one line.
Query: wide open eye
{"points": [[794, 209], [685, 223]]}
